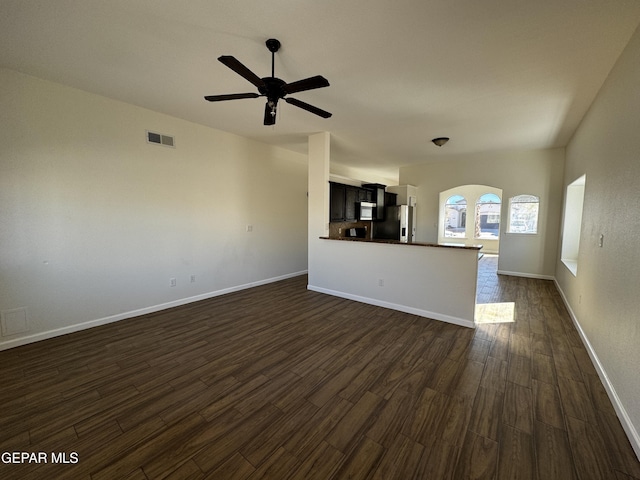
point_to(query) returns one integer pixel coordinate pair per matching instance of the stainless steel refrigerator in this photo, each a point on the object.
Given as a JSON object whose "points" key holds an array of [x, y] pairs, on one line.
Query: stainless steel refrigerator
{"points": [[398, 224]]}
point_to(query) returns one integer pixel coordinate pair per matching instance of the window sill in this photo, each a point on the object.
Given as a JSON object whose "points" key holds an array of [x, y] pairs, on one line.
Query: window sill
{"points": [[572, 265]]}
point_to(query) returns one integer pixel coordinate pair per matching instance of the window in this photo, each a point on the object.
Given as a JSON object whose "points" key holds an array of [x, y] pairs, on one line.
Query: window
{"points": [[455, 217], [488, 216], [572, 225], [523, 214]]}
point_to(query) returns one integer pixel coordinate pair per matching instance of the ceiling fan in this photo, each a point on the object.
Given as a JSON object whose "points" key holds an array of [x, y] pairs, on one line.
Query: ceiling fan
{"points": [[271, 87]]}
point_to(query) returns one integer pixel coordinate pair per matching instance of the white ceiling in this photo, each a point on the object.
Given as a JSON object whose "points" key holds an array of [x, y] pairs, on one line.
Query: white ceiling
{"points": [[490, 74]]}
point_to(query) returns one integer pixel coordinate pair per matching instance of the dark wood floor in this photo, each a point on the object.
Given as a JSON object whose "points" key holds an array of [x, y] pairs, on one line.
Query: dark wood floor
{"points": [[280, 382]]}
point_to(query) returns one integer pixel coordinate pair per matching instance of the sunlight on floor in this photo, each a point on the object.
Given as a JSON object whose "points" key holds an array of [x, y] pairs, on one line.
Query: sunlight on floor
{"points": [[495, 312]]}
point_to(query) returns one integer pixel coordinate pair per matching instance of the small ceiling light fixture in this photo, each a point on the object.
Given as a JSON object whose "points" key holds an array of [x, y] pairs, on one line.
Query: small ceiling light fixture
{"points": [[440, 141]]}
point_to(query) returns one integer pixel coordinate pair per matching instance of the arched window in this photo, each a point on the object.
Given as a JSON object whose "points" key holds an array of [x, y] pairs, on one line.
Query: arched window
{"points": [[523, 214], [455, 217], [488, 216]]}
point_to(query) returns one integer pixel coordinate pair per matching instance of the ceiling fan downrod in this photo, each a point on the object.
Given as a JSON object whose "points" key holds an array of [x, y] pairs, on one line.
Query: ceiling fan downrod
{"points": [[273, 45]]}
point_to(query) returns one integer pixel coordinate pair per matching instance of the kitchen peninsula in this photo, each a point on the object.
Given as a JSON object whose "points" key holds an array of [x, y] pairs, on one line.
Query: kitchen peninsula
{"points": [[436, 281], [397, 242], [431, 281]]}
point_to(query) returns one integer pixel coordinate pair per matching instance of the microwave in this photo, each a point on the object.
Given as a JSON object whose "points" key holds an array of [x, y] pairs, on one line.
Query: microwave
{"points": [[366, 210]]}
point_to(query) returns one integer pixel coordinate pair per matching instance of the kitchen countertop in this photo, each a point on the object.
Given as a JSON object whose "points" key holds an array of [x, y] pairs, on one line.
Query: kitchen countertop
{"points": [[397, 242]]}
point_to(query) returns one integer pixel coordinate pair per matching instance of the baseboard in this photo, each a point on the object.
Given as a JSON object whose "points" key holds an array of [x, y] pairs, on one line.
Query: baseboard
{"points": [[627, 425], [17, 342], [394, 306], [526, 275]]}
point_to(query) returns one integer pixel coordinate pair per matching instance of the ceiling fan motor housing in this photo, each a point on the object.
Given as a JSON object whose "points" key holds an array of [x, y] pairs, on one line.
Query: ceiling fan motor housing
{"points": [[273, 88]]}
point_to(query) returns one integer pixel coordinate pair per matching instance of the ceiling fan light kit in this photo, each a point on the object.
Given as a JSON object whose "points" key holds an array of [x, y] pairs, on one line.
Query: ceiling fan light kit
{"points": [[271, 87]]}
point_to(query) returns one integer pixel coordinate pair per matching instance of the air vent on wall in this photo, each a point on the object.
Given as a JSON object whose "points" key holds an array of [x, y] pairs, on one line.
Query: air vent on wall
{"points": [[160, 139], [14, 321]]}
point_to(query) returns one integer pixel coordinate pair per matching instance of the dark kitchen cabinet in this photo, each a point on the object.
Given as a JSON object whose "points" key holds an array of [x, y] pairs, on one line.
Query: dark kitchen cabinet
{"points": [[337, 197], [350, 203], [377, 192], [390, 199], [343, 201], [365, 195]]}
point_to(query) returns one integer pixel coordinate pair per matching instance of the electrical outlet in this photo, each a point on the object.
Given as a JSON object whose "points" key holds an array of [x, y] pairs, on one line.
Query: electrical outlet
{"points": [[601, 240], [193, 279], [249, 228], [173, 282], [381, 282]]}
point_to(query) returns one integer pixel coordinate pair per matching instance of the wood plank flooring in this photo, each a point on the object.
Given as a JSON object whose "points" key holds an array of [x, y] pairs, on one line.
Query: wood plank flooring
{"points": [[283, 383]]}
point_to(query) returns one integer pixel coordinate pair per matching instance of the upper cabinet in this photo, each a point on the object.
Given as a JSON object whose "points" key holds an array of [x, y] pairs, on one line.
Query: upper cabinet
{"points": [[378, 198], [350, 203], [390, 199], [344, 201], [338, 197]]}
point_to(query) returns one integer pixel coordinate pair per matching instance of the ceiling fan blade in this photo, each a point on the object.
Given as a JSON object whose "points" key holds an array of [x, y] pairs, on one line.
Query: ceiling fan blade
{"points": [[231, 96], [307, 107], [306, 84], [241, 70], [269, 114]]}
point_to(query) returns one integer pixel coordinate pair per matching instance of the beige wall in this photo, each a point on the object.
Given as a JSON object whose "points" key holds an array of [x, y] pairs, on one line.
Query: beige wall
{"points": [[603, 295], [94, 221], [536, 172]]}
